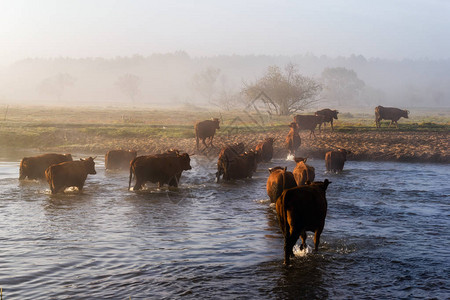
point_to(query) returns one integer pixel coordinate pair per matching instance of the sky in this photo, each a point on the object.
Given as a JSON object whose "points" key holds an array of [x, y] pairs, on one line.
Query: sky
{"points": [[386, 29]]}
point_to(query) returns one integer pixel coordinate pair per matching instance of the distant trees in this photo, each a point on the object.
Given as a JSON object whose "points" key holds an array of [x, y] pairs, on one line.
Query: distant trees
{"points": [[204, 82], [129, 84], [288, 90], [56, 85], [341, 86]]}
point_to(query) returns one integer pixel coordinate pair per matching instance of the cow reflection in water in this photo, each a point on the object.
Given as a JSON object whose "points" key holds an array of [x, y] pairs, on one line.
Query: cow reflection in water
{"points": [[165, 168]]}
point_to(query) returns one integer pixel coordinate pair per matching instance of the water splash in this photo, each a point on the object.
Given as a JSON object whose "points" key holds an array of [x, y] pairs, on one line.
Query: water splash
{"points": [[301, 253], [290, 157]]}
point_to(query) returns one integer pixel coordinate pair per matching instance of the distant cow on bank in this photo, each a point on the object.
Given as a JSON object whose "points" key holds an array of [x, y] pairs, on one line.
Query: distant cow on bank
{"points": [[119, 159], [159, 168], [265, 150], [34, 167], [303, 173], [299, 210], [327, 117], [389, 113], [236, 166], [69, 173], [334, 160], [278, 181], [293, 140], [206, 129], [308, 122]]}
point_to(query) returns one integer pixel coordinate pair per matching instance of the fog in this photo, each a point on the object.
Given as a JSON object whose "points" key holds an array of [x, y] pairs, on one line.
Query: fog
{"points": [[156, 53]]}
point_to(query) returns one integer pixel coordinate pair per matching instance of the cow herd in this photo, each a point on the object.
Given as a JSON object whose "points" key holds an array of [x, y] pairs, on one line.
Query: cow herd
{"points": [[300, 201]]}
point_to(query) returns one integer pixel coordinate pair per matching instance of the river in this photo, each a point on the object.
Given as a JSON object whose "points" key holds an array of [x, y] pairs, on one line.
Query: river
{"points": [[387, 235]]}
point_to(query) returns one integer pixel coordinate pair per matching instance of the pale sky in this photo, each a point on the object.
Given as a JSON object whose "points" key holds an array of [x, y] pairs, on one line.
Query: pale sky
{"points": [[388, 29]]}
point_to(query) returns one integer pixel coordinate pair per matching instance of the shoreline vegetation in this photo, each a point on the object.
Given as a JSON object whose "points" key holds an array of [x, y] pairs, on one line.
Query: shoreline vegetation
{"points": [[424, 137]]}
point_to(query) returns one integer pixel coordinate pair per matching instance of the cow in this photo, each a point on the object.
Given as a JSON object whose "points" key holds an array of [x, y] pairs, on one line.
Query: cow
{"points": [[303, 173], [206, 129], [173, 153], [69, 173], [160, 168], [233, 166], [308, 122], [328, 115], [34, 167], [302, 209], [279, 180], [293, 140], [389, 113], [119, 159], [265, 150], [334, 160]]}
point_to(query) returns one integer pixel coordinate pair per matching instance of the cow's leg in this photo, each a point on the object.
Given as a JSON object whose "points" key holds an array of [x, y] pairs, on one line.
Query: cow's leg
{"points": [[203, 141], [290, 243], [210, 140], [332, 128], [303, 238], [196, 138], [317, 239], [138, 185]]}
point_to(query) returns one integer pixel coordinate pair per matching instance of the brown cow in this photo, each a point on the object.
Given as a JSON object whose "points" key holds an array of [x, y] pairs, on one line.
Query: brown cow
{"points": [[389, 113], [69, 173], [160, 168], [119, 159], [233, 166], [265, 150], [173, 153], [206, 129], [308, 122], [278, 181], [334, 160], [303, 173], [34, 167], [328, 115], [293, 140], [302, 209]]}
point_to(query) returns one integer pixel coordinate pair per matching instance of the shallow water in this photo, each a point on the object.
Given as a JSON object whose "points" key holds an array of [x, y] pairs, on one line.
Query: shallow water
{"points": [[387, 235]]}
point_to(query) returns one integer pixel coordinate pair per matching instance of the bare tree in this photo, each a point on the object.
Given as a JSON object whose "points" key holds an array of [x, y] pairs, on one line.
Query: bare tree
{"points": [[129, 85], [289, 91], [55, 85]]}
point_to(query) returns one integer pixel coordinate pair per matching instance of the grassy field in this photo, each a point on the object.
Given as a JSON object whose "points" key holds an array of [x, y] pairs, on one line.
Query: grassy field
{"points": [[53, 128]]}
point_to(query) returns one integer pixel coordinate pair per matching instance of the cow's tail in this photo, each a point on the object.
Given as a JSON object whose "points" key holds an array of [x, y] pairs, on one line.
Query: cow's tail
{"points": [[131, 173]]}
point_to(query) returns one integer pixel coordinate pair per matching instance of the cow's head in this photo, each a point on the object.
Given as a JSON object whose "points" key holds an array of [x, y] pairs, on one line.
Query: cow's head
{"points": [[322, 185], [252, 158], [68, 156], [300, 159], [277, 168], [294, 126], [185, 161], [89, 165], [335, 113], [406, 113], [216, 122], [269, 140]]}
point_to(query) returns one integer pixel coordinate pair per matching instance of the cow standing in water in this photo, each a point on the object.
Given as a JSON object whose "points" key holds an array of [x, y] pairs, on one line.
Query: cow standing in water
{"points": [[334, 160], [299, 210], [119, 159], [206, 129], [328, 115], [34, 167], [279, 180], [265, 150], [70, 173], [160, 168], [389, 113], [293, 140], [303, 173]]}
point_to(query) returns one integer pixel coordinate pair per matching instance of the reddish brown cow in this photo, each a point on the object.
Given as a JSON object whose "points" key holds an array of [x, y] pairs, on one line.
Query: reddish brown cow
{"points": [[161, 169], [233, 166], [334, 160], [308, 122], [119, 159], [206, 129], [389, 113], [328, 115], [173, 153], [278, 181], [69, 173], [303, 173], [34, 167], [293, 140], [302, 209], [265, 150]]}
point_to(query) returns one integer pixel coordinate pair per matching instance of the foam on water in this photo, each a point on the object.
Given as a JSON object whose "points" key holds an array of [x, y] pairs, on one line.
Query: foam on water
{"points": [[301, 253]]}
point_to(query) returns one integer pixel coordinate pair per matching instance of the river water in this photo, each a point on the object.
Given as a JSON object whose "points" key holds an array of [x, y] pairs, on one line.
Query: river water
{"points": [[387, 235]]}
